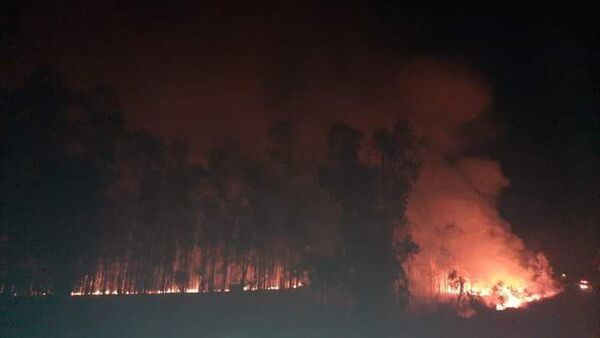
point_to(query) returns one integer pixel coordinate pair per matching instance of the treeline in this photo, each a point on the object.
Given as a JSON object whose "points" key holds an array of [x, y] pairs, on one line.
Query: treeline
{"points": [[90, 206]]}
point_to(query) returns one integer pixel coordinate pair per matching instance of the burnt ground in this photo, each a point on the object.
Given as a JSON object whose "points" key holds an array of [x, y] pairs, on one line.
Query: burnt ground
{"points": [[572, 314]]}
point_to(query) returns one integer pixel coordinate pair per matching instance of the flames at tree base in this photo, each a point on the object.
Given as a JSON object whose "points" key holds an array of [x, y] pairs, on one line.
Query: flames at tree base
{"points": [[215, 275], [499, 296], [246, 288], [467, 251], [453, 288]]}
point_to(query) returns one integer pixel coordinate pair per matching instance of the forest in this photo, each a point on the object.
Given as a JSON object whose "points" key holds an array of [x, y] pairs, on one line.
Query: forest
{"points": [[90, 206]]}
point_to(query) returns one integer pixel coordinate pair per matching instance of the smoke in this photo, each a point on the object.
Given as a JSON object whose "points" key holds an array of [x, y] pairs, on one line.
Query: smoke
{"points": [[222, 74], [453, 218], [452, 209]]}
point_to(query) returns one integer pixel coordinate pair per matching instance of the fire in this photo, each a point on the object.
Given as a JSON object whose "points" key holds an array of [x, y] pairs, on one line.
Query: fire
{"points": [[466, 249], [98, 292], [495, 289], [216, 275], [500, 296]]}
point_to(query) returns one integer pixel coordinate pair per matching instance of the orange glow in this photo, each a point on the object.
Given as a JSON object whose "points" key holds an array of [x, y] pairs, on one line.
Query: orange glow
{"points": [[200, 276], [466, 249], [248, 287], [499, 289], [499, 296]]}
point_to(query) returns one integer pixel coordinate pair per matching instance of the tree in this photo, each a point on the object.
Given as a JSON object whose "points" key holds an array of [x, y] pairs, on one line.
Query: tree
{"points": [[350, 183], [57, 147], [372, 199], [399, 153]]}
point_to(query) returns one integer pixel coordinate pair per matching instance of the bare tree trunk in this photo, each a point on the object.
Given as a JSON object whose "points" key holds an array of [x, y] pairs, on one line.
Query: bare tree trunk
{"points": [[244, 262], [213, 263], [225, 266]]}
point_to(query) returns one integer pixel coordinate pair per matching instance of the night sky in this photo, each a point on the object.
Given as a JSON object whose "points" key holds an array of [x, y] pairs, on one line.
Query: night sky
{"points": [[214, 73]]}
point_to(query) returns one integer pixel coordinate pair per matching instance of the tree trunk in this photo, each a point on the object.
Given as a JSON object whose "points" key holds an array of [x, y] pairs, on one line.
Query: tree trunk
{"points": [[225, 266]]}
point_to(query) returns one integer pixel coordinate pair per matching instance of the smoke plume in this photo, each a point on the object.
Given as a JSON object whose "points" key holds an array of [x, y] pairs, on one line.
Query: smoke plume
{"points": [[452, 210]]}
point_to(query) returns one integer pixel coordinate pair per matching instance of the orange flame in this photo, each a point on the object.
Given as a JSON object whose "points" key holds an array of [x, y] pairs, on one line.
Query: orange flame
{"points": [[466, 250], [201, 277]]}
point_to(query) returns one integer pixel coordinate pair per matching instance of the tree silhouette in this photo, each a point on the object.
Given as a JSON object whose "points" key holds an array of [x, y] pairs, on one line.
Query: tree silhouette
{"points": [[57, 148], [90, 206], [372, 201]]}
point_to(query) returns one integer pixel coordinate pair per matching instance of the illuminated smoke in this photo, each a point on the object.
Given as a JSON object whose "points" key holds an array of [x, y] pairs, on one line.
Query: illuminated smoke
{"points": [[466, 249]]}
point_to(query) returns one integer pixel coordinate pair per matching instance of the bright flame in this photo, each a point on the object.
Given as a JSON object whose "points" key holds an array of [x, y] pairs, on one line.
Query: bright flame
{"points": [[500, 296], [194, 274], [103, 285], [248, 287], [466, 249]]}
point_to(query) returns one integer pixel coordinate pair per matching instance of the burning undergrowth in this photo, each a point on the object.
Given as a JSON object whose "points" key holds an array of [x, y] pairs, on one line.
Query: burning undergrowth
{"points": [[270, 222], [466, 249]]}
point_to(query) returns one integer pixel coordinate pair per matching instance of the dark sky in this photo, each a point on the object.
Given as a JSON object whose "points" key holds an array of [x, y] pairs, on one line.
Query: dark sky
{"points": [[219, 72]]}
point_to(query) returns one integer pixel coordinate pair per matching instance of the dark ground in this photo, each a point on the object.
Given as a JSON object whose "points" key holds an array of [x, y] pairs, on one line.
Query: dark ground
{"points": [[572, 314]]}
